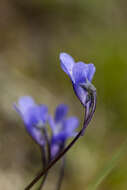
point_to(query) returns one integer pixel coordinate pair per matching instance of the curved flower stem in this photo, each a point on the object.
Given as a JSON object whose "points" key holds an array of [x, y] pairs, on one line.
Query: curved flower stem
{"points": [[89, 111], [61, 174], [85, 124]]}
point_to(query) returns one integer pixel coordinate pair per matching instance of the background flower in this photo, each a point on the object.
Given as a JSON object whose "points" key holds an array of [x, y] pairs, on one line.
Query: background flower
{"points": [[62, 127], [34, 117]]}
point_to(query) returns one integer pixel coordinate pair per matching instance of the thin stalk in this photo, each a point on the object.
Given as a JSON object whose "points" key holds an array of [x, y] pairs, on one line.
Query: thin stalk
{"points": [[85, 124], [48, 158], [43, 156], [44, 161], [59, 184], [48, 144], [43, 182]]}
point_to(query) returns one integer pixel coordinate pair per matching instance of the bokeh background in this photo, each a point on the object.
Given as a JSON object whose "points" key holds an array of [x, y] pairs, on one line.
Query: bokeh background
{"points": [[32, 34]]}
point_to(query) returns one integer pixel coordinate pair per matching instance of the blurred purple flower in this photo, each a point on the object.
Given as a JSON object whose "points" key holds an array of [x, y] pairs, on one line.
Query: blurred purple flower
{"points": [[34, 117], [62, 128], [81, 75]]}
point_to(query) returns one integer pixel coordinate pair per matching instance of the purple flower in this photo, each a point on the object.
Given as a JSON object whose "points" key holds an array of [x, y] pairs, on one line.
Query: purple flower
{"points": [[62, 127], [34, 117], [81, 75]]}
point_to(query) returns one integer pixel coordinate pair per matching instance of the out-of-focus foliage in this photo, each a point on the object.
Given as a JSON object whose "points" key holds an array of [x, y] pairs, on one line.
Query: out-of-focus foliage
{"points": [[32, 34]]}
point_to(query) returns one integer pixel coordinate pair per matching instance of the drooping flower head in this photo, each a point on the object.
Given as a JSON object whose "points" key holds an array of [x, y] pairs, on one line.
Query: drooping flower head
{"points": [[34, 117], [62, 127], [80, 73]]}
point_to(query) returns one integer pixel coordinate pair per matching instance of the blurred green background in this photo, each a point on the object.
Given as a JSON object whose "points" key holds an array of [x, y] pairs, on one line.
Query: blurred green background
{"points": [[32, 34]]}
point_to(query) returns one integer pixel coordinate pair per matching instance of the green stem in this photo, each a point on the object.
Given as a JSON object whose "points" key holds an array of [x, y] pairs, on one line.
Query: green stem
{"points": [[109, 167]]}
